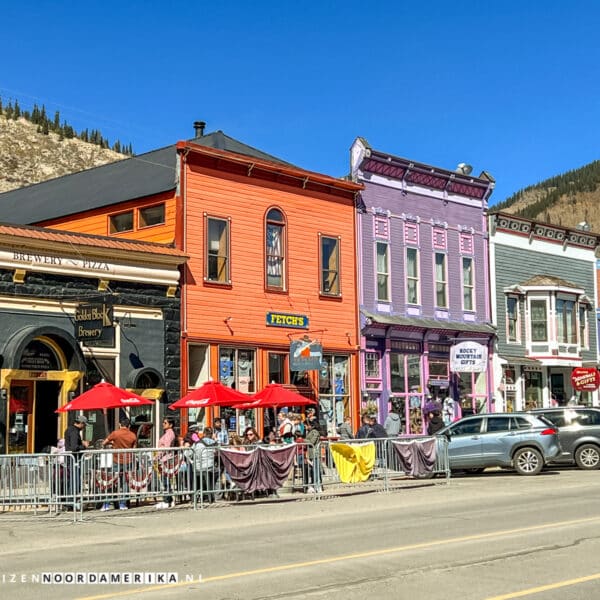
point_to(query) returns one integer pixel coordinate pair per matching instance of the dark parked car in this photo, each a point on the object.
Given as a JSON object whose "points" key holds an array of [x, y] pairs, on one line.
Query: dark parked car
{"points": [[578, 434], [520, 441]]}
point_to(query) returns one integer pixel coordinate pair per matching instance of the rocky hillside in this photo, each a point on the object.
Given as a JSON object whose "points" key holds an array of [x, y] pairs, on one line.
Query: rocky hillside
{"points": [[569, 199], [28, 157]]}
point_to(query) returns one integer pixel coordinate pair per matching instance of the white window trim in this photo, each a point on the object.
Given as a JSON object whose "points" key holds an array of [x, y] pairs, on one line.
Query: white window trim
{"points": [[386, 272], [517, 339], [550, 334], [417, 278], [462, 272], [444, 281]]}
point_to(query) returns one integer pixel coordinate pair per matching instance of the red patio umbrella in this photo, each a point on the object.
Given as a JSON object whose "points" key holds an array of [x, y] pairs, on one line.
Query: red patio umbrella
{"points": [[104, 395], [212, 393], [274, 395]]}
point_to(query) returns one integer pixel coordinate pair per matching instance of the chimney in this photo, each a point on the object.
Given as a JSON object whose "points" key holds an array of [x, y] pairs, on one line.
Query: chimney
{"points": [[199, 128]]}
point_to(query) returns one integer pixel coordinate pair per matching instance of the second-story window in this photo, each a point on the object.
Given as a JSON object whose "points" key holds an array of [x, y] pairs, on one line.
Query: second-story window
{"points": [[512, 319], [468, 284], [566, 322], [330, 266], [383, 272], [412, 276], [217, 250], [538, 321], [583, 338], [121, 222], [275, 245], [151, 215], [441, 283]]}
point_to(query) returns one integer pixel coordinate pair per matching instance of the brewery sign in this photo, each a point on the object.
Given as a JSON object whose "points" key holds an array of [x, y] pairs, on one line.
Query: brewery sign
{"points": [[94, 324]]}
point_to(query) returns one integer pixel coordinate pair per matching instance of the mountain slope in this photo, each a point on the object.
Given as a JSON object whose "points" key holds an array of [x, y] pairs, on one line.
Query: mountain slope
{"points": [[568, 199], [28, 157]]}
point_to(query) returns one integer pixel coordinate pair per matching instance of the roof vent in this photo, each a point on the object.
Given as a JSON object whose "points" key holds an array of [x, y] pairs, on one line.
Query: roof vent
{"points": [[199, 128]]}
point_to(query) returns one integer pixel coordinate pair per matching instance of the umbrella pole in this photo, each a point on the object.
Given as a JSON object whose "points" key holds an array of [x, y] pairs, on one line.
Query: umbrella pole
{"points": [[105, 415]]}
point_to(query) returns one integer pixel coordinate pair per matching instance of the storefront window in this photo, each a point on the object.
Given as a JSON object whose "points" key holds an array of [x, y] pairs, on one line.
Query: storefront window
{"points": [[276, 368], [533, 389], [237, 370], [397, 373], [472, 389], [334, 391]]}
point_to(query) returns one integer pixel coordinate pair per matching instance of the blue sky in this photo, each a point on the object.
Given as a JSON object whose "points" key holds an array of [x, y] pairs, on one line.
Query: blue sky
{"points": [[509, 87]]}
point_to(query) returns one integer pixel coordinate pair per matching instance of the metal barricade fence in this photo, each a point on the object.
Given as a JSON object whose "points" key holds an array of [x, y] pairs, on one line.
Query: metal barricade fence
{"points": [[119, 478], [37, 481], [375, 462], [212, 480]]}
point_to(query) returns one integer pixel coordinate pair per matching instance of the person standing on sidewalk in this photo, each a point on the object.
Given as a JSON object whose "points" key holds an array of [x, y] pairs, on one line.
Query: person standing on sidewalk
{"points": [[76, 445], [313, 438], [167, 440], [120, 439]]}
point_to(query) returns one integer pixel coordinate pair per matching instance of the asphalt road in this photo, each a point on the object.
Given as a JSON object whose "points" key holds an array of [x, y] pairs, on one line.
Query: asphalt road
{"points": [[495, 536]]}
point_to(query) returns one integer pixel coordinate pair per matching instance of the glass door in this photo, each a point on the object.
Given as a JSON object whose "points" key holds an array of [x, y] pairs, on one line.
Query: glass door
{"points": [[20, 422]]}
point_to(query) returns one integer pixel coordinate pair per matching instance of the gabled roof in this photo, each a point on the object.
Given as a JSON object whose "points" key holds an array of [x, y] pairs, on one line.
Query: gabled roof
{"points": [[136, 177], [548, 281]]}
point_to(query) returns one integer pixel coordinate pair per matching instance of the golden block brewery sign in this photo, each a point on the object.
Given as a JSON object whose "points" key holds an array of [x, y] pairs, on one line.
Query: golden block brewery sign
{"points": [[94, 324]]}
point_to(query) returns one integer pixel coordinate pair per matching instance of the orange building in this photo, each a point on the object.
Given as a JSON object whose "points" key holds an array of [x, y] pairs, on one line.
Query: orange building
{"points": [[272, 261]]}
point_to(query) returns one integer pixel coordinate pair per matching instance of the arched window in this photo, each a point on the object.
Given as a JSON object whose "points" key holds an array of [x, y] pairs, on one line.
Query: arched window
{"points": [[275, 250]]}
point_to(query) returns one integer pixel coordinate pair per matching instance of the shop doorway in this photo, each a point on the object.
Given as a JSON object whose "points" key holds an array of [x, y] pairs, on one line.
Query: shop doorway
{"points": [[557, 389], [46, 419]]}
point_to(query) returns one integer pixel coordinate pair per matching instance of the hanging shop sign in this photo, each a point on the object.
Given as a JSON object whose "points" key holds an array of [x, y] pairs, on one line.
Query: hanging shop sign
{"points": [[585, 379], [275, 319], [94, 324], [305, 355], [468, 357]]}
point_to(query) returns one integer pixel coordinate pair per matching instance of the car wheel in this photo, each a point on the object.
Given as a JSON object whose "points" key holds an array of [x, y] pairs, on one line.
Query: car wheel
{"points": [[528, 461], [588, 456]]}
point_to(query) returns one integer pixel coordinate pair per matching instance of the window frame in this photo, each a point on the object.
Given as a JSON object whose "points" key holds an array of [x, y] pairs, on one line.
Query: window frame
{"points": [[546, 301], [582, 328], [279, 258], [337, 293], [566, 317], [414, 279], [440, 282], [140, 212], [207, 250], [471, 286], [385, 274], [516, 320], [113, 230]]}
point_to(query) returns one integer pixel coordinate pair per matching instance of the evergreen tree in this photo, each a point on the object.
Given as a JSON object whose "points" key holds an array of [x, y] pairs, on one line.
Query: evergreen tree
{"points": [[45, 128], [17, 110], [56, 124]]}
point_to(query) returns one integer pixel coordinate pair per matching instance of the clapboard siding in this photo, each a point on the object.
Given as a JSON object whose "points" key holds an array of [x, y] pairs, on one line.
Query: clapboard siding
{"points": [[246, 203], [407, 208], [517, 265], [97, 221]]}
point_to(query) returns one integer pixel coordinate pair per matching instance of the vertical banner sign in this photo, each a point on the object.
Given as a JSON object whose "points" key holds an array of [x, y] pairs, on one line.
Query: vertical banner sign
{"points": [[468, 357]]}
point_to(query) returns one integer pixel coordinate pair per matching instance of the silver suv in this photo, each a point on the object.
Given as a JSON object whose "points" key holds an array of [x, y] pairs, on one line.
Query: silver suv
{"points": [[520, 441], [578, 434]]}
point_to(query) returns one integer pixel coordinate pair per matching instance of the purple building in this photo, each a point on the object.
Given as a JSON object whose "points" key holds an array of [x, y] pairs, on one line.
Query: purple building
{"points": [[426, 332]]}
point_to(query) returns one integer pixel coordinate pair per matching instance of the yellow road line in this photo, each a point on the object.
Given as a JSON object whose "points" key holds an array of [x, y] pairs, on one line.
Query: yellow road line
{"points": [[355, 556], [544, 588]]}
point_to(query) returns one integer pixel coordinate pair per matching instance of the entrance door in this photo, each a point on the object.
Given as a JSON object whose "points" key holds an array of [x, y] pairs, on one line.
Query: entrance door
{"points": [[557, 388], [20, 408], [45, 418]]}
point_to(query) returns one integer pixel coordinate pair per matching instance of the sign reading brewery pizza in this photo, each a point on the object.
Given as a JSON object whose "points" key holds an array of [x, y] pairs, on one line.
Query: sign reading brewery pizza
{"points": [[94, 324], [585, 379]]}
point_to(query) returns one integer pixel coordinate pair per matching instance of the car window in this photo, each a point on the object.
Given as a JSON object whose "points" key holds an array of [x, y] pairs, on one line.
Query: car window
{"points": [[468, 427], [588, 417], [557, 418], [520, 423], [497, 424]]}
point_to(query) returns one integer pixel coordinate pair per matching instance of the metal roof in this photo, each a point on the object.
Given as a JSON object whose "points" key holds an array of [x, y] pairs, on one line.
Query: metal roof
{"points": [[136, 177]]}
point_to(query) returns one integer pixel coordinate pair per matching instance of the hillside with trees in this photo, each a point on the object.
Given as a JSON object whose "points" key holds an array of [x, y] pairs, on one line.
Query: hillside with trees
{"points": [[35, 147], [569, 199]]}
